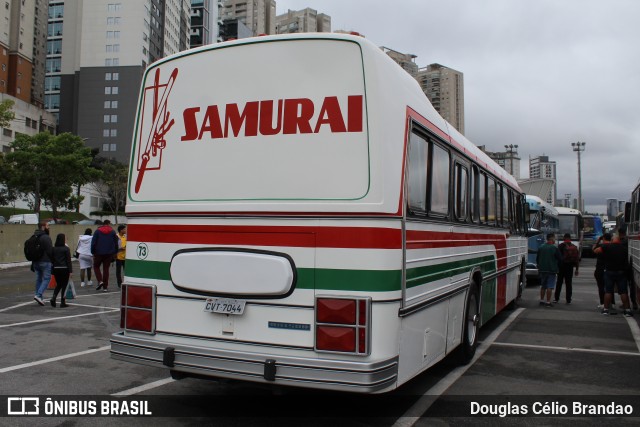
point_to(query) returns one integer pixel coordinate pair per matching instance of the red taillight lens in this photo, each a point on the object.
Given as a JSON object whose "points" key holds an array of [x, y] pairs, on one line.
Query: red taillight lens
{"points": [[336, 338], [139, 296], [341, 311], [139, 320], [342, 324], [137, 308]]}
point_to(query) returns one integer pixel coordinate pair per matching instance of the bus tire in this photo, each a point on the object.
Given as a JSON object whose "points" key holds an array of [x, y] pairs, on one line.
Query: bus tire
{"points": [[467, 348]]}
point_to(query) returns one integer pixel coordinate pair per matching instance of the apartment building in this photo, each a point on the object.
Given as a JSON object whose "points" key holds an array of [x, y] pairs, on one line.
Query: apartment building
{"points": [[303, 21], [204, 22], [97, 51], [444, 87], [542, 167], [509, 159], [406, 60], [258, 15]]}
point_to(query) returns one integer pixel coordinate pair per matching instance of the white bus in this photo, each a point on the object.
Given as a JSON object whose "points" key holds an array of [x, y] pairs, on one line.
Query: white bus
{"points": [[570, 222], [299, 214]]}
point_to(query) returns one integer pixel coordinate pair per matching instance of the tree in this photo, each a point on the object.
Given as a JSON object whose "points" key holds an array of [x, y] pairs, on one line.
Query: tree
{"points": [[114, 184], [46, 166], [6, 113]]}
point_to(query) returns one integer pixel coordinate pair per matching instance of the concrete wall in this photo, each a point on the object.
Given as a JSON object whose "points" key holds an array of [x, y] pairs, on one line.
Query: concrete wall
{"points": [[13, 236]]}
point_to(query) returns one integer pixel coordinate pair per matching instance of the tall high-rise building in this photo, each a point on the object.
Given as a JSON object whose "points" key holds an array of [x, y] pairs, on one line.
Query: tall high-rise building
{"points": [[444, 87], [303, 21], [258, 15], [204, 22], [542, 167], [97, 51], [22, 50]]}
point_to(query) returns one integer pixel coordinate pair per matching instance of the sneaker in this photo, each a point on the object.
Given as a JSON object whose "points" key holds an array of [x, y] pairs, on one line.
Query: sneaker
{"points": [[542, 302], [105, 290], [628, 313], [82, 284], [90, 283], [547, 304], [568, 302], [63, 304], [100, 286], [600, 306], [604, 312], [555, 301], [53, 303], [38, 300]]}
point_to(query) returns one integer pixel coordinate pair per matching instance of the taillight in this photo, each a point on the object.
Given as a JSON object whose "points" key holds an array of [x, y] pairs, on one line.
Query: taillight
{"points": [[137, 308], [343, 325]]}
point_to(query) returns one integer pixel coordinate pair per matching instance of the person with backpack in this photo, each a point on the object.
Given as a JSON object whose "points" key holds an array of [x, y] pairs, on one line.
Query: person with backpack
{"points": [[62, 269], [570, 259], [104, 247], [39, 250]]}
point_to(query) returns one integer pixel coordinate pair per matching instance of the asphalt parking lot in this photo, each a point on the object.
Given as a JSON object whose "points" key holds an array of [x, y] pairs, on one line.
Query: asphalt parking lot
{"points": [[532, 354]]}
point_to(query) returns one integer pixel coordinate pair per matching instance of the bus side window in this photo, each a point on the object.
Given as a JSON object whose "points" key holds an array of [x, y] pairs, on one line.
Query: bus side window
{"points": [[491, 199], [460, 196], [417, 174], [440, 165], [475, 203], [482, 187]]}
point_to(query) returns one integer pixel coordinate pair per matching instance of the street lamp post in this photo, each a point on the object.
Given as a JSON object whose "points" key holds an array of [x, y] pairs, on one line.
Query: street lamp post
{"points": [[579, 147]]}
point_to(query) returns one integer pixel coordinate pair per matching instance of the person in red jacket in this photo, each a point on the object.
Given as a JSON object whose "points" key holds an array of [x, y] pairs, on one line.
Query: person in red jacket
{"points": [[104, 247]]}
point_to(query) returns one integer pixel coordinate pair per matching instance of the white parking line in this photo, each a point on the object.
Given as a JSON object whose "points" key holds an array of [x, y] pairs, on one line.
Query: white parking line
{"points": [[16, 306], [60, 318], [144, 387], [53, 359], [414, 413], [582, 350], [635, 330]]}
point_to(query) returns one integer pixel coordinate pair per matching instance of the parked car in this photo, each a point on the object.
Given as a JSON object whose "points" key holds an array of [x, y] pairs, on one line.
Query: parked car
{"points": [[56, 221], [31, 218], [88, 222]]}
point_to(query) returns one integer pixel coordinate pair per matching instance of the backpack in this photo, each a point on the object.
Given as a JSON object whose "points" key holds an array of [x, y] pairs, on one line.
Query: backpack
{"points": [[570, 255], [33, 250]]}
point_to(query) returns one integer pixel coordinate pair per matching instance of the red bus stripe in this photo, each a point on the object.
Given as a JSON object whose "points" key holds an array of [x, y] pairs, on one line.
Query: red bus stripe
{"points": [[322, 237]]}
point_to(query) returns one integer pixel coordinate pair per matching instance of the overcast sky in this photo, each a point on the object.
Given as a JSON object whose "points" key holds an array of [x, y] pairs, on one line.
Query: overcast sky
{"points": [[538, 73]]}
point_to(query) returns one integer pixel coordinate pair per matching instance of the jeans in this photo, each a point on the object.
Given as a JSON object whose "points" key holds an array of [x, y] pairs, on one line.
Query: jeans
{"points": [[43, 276], [119, 270]]}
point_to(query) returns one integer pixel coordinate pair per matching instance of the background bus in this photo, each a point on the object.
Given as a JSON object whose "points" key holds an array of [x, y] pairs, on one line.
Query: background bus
{"points": [[591, 232], [632, 221], [570, 222], [543, 220]]}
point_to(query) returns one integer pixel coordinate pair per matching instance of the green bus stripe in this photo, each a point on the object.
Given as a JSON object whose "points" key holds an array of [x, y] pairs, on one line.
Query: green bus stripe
{"points": [[423, 275], [342, 280]]}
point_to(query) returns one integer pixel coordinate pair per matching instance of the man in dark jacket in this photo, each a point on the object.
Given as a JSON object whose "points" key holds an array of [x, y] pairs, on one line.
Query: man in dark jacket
{"points": [[104, 246], [42, 266], [616, 266]]}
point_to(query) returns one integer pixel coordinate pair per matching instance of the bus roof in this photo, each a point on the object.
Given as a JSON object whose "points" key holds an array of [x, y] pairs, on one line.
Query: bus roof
{"points": [[536, 203], [568, 211]]}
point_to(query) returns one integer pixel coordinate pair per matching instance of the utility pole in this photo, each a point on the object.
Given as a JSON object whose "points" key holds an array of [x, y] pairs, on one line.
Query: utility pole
{"points": [[579, 147]]}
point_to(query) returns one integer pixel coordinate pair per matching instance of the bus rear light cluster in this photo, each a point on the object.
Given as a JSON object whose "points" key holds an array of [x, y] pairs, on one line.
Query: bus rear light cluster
{"points": [[342, 325], [137, 308]]}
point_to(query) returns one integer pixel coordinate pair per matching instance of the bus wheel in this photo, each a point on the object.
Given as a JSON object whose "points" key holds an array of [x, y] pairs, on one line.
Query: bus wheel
{"points": [[467, 349]]}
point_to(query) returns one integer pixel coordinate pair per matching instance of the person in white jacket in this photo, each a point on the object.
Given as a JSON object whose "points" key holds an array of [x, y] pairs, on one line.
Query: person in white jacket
{"points": [[85, 257]]}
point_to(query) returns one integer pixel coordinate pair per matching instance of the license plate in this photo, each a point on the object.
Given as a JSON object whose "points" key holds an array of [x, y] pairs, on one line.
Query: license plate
{"points": [[224, 305]]}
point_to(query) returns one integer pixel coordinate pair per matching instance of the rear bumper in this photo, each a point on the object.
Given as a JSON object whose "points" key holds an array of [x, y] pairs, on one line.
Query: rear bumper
{"points": [[362, 377]]}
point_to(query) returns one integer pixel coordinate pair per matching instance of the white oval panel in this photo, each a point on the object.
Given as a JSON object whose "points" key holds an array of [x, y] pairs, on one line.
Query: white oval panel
{"points": [[232, 272]]}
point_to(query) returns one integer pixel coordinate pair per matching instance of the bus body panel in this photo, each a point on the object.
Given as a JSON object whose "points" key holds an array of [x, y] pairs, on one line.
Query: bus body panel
{"points": [[298, 178]]}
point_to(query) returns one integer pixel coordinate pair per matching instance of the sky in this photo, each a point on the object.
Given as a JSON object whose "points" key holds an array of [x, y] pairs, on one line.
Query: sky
{"points": [[537, 73]]}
